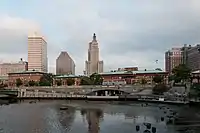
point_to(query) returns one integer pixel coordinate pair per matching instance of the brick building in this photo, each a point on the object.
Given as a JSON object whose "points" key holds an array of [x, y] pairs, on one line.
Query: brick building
{"points": [[131, 77], [173, 58], [25, 76]]}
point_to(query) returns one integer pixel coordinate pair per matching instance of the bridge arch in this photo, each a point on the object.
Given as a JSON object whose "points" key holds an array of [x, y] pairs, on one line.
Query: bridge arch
{"points": [[107, 92]]}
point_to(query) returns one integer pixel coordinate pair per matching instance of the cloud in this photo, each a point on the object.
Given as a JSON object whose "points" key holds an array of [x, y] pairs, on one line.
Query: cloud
{"points": [[131, 33], [13, 34]]}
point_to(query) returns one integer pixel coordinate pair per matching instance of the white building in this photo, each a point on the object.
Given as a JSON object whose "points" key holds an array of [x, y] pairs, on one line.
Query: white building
{"points": [[93, 65], [6, 68], [37, 53]]}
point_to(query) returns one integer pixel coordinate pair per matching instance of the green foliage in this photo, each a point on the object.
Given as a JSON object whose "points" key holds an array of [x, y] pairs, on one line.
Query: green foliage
{"points": [[1, 85], [31, 83], [171, 77], [195, 89], [85, 81], [94, 79], [159, 89], [143, 81], [181, 72], [46, 80], [70, 81], [177, 79], [158, 79], [195, 86], [18, 82], [58, 82]]}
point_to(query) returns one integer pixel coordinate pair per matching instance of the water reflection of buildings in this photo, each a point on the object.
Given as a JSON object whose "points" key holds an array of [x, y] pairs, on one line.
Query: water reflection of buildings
{"points": [[139, 117], [66, 118], [93, 116]]}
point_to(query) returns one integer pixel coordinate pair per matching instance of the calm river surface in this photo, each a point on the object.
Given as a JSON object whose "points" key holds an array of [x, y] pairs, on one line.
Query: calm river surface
{"points": [[95, 117]]}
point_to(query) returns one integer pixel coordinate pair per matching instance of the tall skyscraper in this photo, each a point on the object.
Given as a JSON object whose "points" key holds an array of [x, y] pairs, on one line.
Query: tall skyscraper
{"points": [[93, 65], [37, 53], [173, 58], [193, 57], [65, 64]]}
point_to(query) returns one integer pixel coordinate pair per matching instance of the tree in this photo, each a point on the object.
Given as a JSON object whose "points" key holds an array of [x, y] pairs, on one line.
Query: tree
{"points": [[96, 79], [159, 89], [195, 90], [46, 80], [85, 81], [143, 81], [171, 77], [70, 81], [158, 79], [58, 82], [31, 83], [181, 72], [18, 82]]}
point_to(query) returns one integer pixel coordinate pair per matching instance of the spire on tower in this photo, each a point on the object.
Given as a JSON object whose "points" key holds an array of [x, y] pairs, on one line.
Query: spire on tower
{"points": [[94, 37]]}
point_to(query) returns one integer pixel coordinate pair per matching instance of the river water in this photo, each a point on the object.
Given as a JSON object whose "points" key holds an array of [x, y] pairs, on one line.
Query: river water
{"points": [[95, 117]]}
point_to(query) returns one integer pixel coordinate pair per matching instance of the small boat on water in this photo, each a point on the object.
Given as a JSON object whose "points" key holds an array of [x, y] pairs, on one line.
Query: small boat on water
{"points": [[63, 108], [32, 102]]}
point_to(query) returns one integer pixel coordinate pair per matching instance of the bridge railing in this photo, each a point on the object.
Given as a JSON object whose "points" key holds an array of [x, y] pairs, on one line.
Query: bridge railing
{"points": [[77, 87], [34, 94]]}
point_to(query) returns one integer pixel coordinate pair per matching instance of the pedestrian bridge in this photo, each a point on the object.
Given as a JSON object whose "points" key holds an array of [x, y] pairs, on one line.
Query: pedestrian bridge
{"points": [[8, 92], [107, 92]]}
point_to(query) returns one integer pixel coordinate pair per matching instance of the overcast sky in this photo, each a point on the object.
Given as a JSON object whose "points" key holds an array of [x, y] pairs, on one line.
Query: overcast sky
{"points": [[129, 32]]}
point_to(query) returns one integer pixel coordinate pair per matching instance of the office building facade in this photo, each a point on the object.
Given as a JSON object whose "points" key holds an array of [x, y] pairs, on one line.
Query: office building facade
{"points": [[193, 57], [173, 58], [93, 64], [65, 64], [37, 53]]}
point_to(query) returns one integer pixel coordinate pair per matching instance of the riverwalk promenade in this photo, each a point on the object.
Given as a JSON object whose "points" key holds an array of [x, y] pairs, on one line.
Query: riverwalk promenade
{"points": [[125, 93], [62, 91]]}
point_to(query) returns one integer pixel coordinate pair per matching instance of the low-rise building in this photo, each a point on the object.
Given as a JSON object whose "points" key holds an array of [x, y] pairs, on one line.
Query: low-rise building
{"points": [[148, 75], [63, 79], [128, 69], [117, 77], [25, 77], [6, 68], [131, 77], [195, 76]]}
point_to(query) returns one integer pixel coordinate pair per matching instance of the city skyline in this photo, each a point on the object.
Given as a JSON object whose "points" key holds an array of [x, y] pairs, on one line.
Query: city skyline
{"points": [[132, 33]]}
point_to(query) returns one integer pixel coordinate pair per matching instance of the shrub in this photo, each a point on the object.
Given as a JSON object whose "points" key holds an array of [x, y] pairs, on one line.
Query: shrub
{"points": [[159, 89]]}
